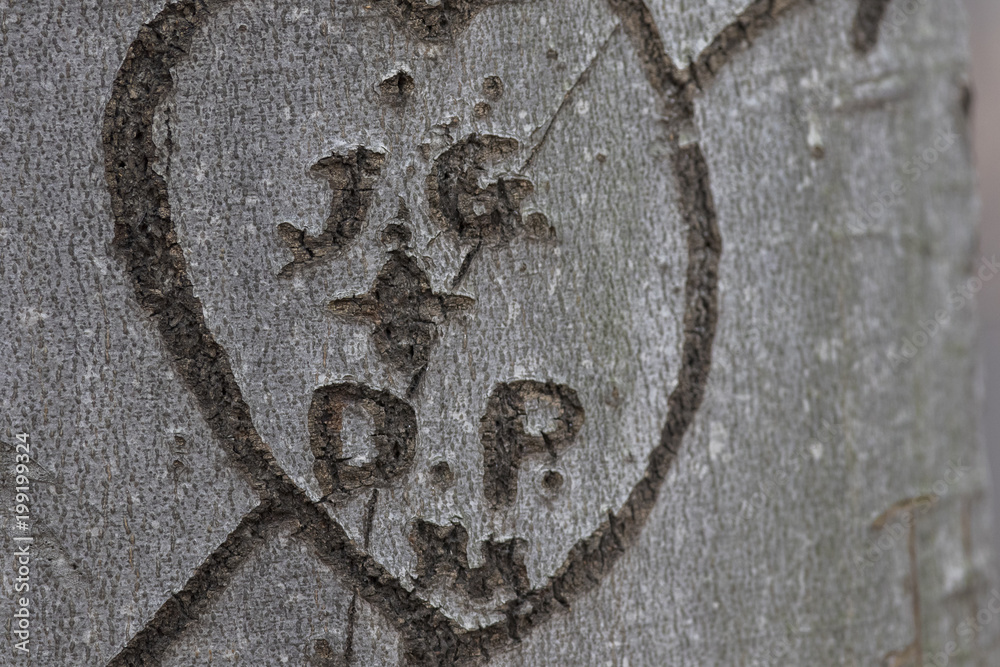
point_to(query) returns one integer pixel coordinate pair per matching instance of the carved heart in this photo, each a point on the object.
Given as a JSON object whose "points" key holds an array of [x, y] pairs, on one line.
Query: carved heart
{"points": [[404, 311]]}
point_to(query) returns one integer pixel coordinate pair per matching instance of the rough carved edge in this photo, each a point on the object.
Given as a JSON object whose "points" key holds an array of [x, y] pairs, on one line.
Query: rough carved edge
{"points": [[146, 242]]}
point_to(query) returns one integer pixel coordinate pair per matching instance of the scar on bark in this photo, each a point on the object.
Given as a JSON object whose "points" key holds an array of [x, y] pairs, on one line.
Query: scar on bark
{"points": [[908, 509], [146, 235], [442, 561], [406, 313], [440, 21], [146, 242], [481, 215], [867, 23], [390, 435], [525, 418], [351, 177], [396, 89]]}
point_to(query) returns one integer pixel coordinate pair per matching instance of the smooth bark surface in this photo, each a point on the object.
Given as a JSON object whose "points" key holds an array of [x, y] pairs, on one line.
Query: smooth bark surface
{"points": [[528, 333]]}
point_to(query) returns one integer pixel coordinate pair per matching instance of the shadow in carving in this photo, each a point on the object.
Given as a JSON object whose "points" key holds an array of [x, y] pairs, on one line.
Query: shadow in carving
{"points": [[385, 425], [350, 177], [405, 311], [480, 214], [509, 434], [442, 561], [146, 242]]}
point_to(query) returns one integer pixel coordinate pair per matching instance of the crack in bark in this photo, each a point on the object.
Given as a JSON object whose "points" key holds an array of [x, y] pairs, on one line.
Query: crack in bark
{"points": [[480, 214], [146, 242], [912, 654], [352, 610], [580, 80]]}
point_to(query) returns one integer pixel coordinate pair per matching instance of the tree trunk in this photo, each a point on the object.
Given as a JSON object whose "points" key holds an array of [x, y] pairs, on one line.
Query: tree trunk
{"points": [[521, 332]]}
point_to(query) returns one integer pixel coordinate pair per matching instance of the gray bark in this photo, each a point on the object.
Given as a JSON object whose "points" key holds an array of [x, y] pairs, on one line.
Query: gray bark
{"points": [[522, 333]]}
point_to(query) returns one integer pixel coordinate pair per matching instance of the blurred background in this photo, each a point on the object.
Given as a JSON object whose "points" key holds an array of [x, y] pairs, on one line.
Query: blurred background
{"points": [[985, 24]]}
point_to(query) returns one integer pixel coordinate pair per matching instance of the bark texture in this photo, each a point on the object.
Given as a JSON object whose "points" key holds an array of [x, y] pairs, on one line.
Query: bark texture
{"points": [[508, 332]]}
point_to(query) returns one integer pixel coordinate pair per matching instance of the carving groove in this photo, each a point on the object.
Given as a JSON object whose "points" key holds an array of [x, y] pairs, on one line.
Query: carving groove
{"points": [[480, 215], [406, 313], [146, 242], [506, 441], [867, 23], [393, 435], [351, 177], [442, 560], [396, 89], [437, 22], [200, 591], [912, 653]]}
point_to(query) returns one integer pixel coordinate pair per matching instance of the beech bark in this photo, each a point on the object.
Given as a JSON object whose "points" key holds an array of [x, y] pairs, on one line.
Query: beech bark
{"points": [[510, 332]]}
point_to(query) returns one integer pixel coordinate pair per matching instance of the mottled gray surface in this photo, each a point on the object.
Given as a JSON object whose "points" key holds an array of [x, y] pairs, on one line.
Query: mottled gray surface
{"points": [[808, 433], [985, 26], [126, 510], [279, 610], [599, 309]]}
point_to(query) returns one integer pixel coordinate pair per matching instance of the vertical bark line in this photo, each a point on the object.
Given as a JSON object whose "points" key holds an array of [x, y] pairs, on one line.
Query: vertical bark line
{"points": [[908, 509], [424, 628], [352, 619], [911, 549], [352, 610]]}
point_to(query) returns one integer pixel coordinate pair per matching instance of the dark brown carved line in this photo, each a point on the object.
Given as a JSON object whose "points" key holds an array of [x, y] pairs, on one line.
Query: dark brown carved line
{"points": [[438, 22], [640, 26], [736, 37], [199, 592], [146, 240], [147, 243], [592, 558], [430, 637]]}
